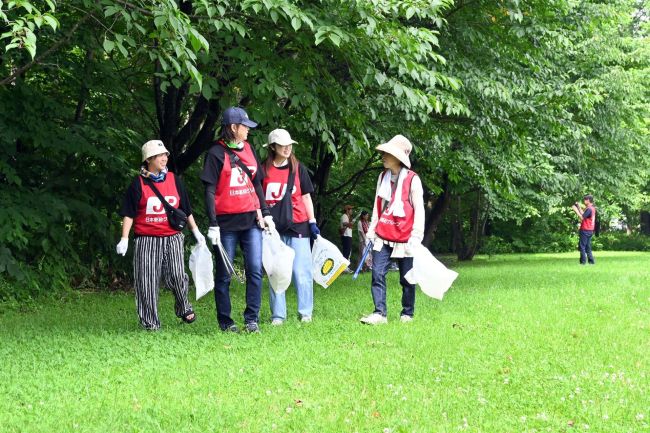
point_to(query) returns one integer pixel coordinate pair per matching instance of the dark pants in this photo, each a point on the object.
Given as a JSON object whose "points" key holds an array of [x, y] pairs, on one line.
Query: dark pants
{"points": [[380, 265], [584, 245], [250, 242], [346, 244]]}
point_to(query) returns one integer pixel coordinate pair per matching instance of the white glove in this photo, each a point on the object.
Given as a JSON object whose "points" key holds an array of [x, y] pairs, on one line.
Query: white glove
{"points": [[412, 243], [200, 239], [122, 246], [214, 235], [269, 222]]}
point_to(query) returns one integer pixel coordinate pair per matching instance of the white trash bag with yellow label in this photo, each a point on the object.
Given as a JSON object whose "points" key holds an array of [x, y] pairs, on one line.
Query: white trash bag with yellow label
{"points": [[432, 276], [201, 267], [328, 262], [277, 259]]}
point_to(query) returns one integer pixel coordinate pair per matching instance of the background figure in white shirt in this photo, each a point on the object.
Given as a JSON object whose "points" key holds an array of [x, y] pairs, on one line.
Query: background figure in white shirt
{"points": [[362, 229], [345, 229]]}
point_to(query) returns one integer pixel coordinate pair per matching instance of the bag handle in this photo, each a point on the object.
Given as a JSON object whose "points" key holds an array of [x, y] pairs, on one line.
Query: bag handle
{"points": [[234, 159], [290, 183]]}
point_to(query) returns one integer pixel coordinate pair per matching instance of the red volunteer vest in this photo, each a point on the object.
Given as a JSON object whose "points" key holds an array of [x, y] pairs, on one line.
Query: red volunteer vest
{"points": [[151, 218], [589, 223], [235, 191], [275, 186], [393, 228]]}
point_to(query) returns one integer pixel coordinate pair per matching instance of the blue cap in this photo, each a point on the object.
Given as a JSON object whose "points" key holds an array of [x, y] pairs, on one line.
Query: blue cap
{"points": [[236, 115]]}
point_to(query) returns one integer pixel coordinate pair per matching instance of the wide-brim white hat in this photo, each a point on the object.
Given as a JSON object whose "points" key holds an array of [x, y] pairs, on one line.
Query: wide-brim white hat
{"points": [[281, 137], [153, 148], [400, 147]]}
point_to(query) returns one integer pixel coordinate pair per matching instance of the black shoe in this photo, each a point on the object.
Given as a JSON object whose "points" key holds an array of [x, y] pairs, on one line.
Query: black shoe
{"points": [[252, 328], [232, 328]]}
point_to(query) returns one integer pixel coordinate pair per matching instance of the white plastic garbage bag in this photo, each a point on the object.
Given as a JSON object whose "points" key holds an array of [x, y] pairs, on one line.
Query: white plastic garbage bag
{"points": [[201, 267], [277, 259], [432, 276], [327, 261]]}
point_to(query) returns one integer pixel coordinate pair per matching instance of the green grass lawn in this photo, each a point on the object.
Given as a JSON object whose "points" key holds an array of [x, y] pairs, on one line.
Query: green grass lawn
{"points": [[529, 343]]}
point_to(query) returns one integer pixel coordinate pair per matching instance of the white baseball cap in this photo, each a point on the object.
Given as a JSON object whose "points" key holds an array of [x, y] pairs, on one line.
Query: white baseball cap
{"points": [[281, 137], [153, 148]]}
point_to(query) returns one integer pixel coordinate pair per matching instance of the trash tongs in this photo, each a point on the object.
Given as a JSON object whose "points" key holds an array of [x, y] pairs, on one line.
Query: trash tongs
{"points": [[228, 263]]}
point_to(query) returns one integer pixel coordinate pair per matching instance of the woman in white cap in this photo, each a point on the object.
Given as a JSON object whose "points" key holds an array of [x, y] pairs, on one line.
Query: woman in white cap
{"points": [[397, 224], [294, 219], [237, 213], [158, 247]]}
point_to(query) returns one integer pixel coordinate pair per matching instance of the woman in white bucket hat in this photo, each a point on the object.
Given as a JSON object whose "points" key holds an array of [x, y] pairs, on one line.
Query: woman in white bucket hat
{"points": [[158, 247], [396, 225], [296, 226]]}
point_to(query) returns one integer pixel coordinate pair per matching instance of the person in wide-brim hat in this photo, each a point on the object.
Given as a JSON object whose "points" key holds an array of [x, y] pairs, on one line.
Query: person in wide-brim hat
{"points": [[396, 226]]}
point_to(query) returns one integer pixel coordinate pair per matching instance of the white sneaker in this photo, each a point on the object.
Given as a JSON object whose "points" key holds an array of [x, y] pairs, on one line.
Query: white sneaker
{"points": [[405, 319], [374, 319], [277, 322], [305, 319]]}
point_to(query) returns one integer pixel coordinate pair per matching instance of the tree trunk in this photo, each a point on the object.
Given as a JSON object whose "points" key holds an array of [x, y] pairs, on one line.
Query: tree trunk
{"points": [[438, 210], [466, 246]]}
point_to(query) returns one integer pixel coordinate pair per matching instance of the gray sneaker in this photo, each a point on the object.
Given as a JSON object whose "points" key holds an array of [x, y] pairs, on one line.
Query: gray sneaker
{"points": [[252, 328], [231, 329]]}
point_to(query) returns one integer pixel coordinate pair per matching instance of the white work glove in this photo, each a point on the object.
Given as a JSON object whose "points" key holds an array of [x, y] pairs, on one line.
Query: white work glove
{"points": [[122, 246], [214, 235], [268, 220], [200, 239], [412, 243]]}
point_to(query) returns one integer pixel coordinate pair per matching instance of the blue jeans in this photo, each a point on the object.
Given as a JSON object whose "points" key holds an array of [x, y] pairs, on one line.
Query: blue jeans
{"points": [[303, 280], [584, 245], [380, 265], [346, 246], [250, 242]]}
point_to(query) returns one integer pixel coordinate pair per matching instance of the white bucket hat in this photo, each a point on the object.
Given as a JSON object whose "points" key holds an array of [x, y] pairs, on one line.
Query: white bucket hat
{"points": [[153, 148], [281, 137], [400, 147]]}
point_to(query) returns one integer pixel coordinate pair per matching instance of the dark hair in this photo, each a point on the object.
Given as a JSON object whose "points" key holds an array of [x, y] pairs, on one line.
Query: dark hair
{"points": [[588, 197], [270, 156], [364, 213], [226, 134]]}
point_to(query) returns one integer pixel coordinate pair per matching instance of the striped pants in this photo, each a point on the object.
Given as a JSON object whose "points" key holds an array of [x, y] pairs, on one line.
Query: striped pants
{"points": [[155, 257]]}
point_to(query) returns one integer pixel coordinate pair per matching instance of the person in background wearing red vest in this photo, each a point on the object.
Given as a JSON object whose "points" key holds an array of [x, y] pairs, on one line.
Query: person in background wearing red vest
{"points": [[237, 213], [587, 227], [298, 229], [397, 224], [158, 247]]}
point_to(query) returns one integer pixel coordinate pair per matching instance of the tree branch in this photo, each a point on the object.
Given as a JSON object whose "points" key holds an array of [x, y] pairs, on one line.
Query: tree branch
{"points": [[40, 58]]}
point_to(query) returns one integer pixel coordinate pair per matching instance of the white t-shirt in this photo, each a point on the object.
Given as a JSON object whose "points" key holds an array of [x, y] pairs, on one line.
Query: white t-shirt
{"points": [[346, 220]]}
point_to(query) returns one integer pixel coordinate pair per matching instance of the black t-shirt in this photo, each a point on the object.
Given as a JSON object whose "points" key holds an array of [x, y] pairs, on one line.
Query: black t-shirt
{"points": [[134, 194], [212, 165], [587, 213], [298, 230]]}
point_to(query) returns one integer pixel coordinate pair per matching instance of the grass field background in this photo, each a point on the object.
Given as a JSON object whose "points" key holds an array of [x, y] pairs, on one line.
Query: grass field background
{"points": [[530, 343]]}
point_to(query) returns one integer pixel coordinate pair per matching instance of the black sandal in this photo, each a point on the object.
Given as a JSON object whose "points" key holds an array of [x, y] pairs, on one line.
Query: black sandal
{"points": [[186, 318]]}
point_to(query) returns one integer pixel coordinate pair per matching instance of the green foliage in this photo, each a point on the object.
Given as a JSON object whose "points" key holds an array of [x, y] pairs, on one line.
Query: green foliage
{"points": [[21, 19], [621, 241], [524, 104]]}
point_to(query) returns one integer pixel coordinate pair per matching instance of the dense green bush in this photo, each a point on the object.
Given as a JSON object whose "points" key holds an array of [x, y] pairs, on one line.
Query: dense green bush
{"points": [[621, 241]]}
